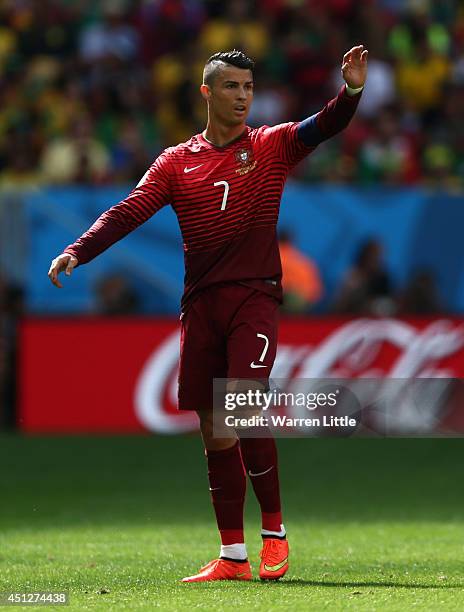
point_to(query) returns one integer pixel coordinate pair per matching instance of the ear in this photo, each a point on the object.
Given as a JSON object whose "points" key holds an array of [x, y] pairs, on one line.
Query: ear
{"points": [[205, 92]]}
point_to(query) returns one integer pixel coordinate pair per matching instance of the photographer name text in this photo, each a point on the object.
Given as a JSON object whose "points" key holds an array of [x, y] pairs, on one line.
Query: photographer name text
{"points": [[285, 421]]}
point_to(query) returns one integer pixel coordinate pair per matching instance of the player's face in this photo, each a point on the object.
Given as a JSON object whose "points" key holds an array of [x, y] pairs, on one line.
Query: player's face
{"points": [[231, 95]]}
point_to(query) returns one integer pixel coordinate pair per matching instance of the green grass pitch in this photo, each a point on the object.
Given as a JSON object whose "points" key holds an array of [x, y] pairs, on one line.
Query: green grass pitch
{"points": [[117, 521]]}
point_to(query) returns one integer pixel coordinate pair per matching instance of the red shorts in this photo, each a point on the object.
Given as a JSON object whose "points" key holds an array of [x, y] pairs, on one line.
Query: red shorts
{"points": [[230, 331]]}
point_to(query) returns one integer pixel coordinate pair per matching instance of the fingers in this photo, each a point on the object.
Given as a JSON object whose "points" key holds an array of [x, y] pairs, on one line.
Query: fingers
{"points": [[355, 53], [59, 264], [53, 273], [70, 267], [364, 55], [53, 276]]}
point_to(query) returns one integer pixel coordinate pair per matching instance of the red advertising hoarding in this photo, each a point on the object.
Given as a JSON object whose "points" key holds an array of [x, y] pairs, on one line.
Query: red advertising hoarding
{"points": [[120, 375]]}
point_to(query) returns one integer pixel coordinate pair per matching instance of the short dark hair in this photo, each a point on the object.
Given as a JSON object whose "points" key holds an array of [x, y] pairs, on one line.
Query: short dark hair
{"points": [[234, 58]]}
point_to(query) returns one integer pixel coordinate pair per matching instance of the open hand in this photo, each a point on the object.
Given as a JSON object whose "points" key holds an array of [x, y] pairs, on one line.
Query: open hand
{"points": [[354, 66], [63, 263]]}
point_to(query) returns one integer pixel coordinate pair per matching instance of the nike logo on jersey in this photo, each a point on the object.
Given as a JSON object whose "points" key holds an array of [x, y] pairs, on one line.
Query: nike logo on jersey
{"points": [[257, 365], [190, 169]]}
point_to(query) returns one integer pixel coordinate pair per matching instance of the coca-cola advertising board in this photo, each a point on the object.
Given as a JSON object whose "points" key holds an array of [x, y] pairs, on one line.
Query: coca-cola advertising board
{"points": [[120, 375]]}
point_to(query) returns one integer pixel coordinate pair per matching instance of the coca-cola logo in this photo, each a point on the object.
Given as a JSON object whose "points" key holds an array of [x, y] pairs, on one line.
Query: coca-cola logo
{"points": [[362, 348], [354, 350]]}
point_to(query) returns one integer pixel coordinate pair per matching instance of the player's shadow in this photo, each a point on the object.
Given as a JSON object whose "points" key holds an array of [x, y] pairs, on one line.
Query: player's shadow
{"points": [[325, 583]]}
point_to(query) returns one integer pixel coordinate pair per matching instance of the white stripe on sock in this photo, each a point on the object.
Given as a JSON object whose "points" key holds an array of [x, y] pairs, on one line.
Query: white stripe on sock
{"points": [[279, 534], [234, 551]]}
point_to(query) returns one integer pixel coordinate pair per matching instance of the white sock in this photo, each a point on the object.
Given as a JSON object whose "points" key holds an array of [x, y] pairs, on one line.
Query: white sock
{"points": [[234, 551], [278, 534]]}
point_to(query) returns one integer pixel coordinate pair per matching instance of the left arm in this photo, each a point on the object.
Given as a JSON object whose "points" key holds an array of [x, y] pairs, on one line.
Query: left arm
{"points": [[337, 113]]}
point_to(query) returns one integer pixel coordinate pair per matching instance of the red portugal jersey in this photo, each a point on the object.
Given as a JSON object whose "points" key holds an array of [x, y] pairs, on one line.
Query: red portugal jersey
{"points": [[227, 203]]}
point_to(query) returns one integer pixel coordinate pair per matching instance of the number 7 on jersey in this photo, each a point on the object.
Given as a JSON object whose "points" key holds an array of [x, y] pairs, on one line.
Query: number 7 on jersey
{"points": [[226, 192]]}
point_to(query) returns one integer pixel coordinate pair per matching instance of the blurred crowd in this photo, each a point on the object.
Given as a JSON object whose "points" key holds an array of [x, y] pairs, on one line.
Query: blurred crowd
{"points": [[93, 91], [366, 289]]}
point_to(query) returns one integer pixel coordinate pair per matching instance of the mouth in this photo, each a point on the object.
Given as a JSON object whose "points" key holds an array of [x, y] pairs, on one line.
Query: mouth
{"points": [[240, 108]]}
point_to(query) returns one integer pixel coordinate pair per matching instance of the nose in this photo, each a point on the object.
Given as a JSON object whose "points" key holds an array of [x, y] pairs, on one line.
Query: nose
{"points": [[241, 94]]}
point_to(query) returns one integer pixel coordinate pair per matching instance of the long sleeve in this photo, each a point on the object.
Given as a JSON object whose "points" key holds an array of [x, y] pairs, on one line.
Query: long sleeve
{"points": [[292, 141], [331, 120], [149, 196]]}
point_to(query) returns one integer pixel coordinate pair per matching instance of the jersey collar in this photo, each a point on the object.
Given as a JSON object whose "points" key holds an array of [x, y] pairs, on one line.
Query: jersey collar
{"points": [[205, 141]]}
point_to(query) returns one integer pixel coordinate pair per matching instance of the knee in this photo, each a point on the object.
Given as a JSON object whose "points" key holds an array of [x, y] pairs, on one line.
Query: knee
{"points": [[214, 438]]}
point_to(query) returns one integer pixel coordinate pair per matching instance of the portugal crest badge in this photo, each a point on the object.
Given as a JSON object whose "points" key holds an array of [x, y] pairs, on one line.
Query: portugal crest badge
{"points": [[245, 159]]}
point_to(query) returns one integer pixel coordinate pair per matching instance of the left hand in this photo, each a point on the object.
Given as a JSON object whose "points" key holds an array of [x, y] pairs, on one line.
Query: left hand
{"points": [[354, 66]]}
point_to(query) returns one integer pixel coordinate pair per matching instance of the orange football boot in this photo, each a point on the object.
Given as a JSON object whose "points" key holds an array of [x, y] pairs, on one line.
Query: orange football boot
{"points": [[221, 569], [274, 559]]}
